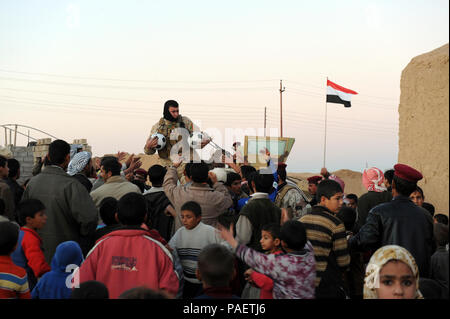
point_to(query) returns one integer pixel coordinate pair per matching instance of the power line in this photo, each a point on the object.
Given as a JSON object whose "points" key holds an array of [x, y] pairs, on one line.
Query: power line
{"points": [[132, 80], [313, 94], [160, 102], [133, 87], [350, 121], [176, 81], [247, 113], [324, 87]]}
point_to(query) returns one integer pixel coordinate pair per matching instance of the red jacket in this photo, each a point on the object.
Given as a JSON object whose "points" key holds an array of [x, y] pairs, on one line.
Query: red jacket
{"points": [[30, 248], [129, 258], [264, 283]]}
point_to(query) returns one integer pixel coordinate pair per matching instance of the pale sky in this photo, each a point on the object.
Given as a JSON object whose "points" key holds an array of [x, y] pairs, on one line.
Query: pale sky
{"points": [[102, 70]]}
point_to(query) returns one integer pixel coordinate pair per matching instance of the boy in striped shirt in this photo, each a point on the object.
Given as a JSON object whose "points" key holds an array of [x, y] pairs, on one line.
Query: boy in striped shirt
{"points": [[13, 279], [188, 241], [327, 235]]}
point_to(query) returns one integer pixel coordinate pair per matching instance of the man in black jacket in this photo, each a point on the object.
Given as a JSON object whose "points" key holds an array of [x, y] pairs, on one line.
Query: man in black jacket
{"points": [[399, 222], [258, 211], [160, 211]]}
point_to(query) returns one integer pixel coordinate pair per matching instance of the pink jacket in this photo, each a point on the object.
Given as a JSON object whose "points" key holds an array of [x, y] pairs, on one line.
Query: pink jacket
{"points": [[264, 283], [125, 259]]}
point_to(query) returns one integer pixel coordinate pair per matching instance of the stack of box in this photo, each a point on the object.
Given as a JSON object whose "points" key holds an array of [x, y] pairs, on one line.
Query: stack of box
{"points": [[41, 148], [83, 142]]}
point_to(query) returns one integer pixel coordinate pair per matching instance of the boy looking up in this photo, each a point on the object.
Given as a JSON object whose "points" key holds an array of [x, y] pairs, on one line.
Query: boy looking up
{"points": [[189, 240], [327, 234]]}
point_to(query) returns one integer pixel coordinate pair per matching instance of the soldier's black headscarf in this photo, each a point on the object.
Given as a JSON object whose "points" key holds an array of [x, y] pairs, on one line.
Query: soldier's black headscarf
{"points": [[167, 114]]}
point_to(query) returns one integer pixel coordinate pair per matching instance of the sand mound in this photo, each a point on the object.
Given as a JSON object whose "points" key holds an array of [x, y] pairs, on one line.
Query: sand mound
{"points": [[352, 180]]}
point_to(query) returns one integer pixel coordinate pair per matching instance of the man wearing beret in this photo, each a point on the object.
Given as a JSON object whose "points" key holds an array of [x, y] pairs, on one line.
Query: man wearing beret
{"points": [[399, 222]]}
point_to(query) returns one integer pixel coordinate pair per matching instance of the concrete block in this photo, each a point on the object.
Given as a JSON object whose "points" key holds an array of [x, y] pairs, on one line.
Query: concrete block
{"points": [[44, 141], [41, 148], [80, 141]]}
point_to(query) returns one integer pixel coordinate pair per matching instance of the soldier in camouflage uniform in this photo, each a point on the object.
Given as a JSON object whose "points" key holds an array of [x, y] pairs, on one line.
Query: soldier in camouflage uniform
{"points": [[288, 196], [167, 125]]}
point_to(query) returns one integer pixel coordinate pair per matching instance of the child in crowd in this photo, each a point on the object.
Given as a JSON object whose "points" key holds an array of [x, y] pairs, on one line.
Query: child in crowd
{"points": [[439, 260], [440, 218], [327, 234], [29, 254], [293, 272], [188, 241], [57, 283], [392, 273], [216, 270], [129, 256], [271, 244], [90, 290], [13, 279], [107, 210], [161, 213]]}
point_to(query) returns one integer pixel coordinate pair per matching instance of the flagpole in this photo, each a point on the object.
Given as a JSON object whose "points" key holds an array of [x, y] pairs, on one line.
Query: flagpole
{"points": [[325, 137]]}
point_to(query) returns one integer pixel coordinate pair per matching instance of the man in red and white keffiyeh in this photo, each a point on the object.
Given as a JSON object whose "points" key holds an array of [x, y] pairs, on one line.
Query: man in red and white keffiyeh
{"points": [[373, 180]]}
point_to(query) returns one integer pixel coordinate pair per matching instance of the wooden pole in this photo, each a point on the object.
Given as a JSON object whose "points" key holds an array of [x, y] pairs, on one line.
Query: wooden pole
{"points": [[15, 135], [282, 89], [265, 117], [325, 137]]}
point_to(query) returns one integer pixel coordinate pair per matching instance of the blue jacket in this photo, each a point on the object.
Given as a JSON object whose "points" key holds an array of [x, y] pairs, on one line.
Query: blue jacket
{"points": [[53, 284], [272, 196]]}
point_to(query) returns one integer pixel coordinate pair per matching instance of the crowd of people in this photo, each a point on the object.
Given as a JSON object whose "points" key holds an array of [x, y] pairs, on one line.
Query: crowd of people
{"points": [[86, 229]]}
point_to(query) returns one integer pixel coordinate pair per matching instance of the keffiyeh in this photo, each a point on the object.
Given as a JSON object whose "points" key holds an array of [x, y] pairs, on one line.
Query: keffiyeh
{"points": [[373, 179], [381, 257], [78, 163]]}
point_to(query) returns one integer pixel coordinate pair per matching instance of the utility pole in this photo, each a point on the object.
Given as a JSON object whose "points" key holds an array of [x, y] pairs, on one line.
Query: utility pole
{"points": [[282, 89], [15, 135], [265, 117]]}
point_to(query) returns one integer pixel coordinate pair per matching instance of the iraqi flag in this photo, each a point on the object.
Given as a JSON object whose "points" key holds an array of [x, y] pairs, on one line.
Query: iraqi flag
{"points": [[339, 94]]}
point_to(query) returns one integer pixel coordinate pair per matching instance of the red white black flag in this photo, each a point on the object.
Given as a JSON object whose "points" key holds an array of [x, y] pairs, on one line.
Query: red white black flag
{"points": [[339, 94]]}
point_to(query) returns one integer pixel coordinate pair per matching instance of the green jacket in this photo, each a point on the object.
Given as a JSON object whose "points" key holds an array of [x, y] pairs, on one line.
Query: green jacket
{"points": [[71, 213]]}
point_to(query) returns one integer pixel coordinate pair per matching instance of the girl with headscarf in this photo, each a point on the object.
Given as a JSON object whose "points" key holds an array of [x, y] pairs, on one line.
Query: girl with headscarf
{"points": [[392, 273]]}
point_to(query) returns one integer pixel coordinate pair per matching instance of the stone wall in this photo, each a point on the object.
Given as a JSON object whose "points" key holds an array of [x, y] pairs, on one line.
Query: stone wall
{"points": [[424, 123], [29, 155], [24, 155]]}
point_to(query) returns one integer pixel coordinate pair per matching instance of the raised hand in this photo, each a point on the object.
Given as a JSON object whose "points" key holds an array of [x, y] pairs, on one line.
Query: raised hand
{"points": [[227, 234], [213, 177], [151, 143]]}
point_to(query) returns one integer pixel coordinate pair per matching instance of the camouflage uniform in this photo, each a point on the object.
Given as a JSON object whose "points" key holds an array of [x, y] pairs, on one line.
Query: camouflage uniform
{"points": [[165, 128], [289, 197]]}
